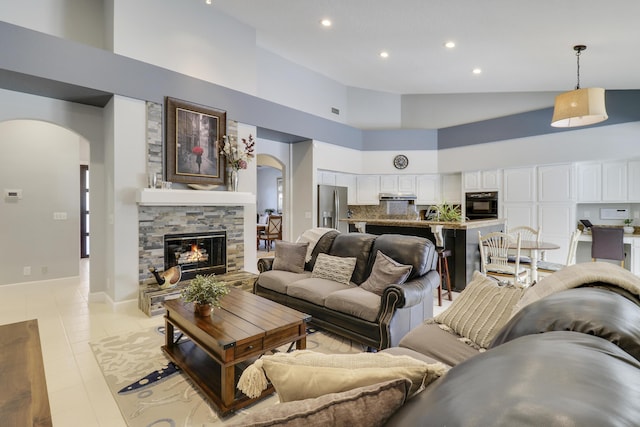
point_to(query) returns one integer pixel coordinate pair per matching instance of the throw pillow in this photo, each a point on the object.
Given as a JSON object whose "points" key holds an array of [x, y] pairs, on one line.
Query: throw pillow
{"points": [[305, 374], [290, 256], [385, 271], [338, 269], [364, 406], [481, 309]]}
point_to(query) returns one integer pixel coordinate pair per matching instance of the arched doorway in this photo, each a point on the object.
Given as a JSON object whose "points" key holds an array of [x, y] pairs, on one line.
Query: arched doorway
{"points": [[40, 162], [271, 188]]}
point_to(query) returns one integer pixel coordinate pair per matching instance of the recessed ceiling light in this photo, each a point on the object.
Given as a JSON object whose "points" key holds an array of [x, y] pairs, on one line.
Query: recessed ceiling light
{"points": [[477, 71], [326, 22], [450, 45], [208, 1], [384, 54]]}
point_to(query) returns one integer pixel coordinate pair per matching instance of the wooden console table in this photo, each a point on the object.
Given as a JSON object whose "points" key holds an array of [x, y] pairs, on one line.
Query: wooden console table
{"points": [[221, 345]]}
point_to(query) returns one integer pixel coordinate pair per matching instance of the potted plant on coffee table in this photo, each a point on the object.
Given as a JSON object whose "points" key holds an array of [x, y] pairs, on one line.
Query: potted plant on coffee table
{"points": [[205, 291]]}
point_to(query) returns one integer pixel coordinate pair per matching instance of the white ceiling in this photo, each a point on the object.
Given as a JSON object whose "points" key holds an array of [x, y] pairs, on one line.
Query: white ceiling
{"points": [[521, 45]]}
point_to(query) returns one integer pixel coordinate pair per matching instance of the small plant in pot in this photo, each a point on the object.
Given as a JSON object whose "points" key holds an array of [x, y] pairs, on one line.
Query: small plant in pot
{"points": [[205, 291], [628, 226]]}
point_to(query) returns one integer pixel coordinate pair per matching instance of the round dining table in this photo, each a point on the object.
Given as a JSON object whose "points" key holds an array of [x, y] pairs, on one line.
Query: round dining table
{"points": [[534, 248]]}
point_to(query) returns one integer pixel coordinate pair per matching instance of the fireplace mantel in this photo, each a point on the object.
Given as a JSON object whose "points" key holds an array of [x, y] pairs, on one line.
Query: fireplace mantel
{"points": [[164, 197]]}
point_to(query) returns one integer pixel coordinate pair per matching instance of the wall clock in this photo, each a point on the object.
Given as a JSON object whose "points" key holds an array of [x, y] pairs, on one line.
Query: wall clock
{"points": [[400, 161]]}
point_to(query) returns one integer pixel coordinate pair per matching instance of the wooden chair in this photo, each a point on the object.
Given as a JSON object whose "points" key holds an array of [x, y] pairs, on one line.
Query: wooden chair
{"points": [[526, 233], [272, 232], [552, 267], [494, 257], [607, 243]]}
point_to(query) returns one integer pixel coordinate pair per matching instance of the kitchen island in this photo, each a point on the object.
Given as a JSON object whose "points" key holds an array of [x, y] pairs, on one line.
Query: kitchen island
{"points": [[459, 237]]}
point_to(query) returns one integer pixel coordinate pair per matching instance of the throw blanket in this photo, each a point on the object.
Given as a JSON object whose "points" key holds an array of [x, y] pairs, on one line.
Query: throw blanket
{"points": [[577, 275], [312, 236]]}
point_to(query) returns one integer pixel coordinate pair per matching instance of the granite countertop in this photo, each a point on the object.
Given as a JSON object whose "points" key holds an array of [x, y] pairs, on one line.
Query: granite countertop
{"points": [[464, 225]]}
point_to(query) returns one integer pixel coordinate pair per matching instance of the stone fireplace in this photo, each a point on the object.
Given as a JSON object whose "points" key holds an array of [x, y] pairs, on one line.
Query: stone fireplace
{"points": [[190, 214]]}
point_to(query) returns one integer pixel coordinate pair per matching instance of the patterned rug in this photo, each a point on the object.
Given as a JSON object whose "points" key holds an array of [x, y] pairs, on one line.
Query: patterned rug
{"points": [[151, 391]]}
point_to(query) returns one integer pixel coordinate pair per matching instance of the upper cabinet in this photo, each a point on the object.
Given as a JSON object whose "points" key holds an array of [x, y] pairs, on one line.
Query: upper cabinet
{"points": [[615, 181], [633, 181], [519, 185], [428, 190], [556, 183], [451, 187], [367, 190], [481, 180]]}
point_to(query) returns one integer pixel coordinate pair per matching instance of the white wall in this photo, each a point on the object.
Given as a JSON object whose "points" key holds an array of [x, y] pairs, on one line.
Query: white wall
{"points": [[369, 109], [267, 194], [216, 48], [43, 162], [81, 21], [599, 143]]}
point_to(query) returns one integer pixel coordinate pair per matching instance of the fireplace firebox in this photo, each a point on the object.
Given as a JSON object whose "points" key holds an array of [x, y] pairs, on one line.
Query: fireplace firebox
{"points": [[196, 253]]}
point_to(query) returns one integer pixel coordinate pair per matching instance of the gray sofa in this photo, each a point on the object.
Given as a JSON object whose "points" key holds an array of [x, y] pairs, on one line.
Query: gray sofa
{"points": [[377, 321]]}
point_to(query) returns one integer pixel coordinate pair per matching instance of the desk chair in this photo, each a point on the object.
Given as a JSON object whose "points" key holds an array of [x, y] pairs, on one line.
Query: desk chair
{"points": [[607, 243], [494, 257], [272, 232]]}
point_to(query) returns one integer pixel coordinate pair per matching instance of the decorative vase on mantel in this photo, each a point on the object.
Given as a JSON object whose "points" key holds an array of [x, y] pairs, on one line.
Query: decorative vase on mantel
{"points": [[202, 310], [232, 179]]}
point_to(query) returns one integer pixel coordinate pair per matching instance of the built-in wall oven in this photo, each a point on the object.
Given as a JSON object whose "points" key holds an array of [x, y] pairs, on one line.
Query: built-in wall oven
{"points": [[481, 205]]}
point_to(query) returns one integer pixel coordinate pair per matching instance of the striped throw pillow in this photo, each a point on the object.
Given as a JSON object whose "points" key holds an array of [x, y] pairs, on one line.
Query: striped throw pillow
{"points": [[481, 310]]}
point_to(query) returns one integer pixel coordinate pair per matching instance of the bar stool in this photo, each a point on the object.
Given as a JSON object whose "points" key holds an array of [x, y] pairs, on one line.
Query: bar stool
{"points": [[443, 267]]}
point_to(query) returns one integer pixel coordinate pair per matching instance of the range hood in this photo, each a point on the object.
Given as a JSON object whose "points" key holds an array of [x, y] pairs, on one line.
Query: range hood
{"points": [[397, 196]]}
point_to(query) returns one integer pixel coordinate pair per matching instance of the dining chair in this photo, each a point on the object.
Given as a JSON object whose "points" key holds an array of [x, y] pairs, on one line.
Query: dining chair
{"points": [[272, 232], [552, 267], [494, 257], [607, 243], [526, 233]]}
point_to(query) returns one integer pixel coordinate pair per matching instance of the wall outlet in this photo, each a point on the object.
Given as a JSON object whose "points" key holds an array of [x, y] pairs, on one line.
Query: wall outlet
{"points": [[307, 215], [44, 269], [26, 271], [636, 215], [587, 214]]}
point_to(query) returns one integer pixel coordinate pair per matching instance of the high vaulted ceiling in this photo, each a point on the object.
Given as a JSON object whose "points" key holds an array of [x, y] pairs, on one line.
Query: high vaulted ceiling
{"points": [[520, 45]]}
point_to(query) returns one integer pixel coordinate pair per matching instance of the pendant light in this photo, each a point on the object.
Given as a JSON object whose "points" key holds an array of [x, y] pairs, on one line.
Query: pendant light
{"points": [[579, 107]]}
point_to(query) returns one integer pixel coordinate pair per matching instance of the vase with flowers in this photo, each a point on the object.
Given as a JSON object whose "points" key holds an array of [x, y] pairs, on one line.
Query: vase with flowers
{"points": [[238, 157]]}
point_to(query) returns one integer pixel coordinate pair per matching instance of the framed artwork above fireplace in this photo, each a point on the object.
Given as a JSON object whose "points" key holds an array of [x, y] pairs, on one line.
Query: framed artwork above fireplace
{"points": [[193, 138]]}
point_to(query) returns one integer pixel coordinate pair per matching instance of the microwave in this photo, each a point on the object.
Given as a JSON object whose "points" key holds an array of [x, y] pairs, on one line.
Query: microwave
{"points": [[481, 205]]}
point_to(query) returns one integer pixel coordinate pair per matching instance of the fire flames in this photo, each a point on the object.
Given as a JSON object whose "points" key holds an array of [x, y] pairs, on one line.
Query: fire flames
{"points": [[195, 255]]}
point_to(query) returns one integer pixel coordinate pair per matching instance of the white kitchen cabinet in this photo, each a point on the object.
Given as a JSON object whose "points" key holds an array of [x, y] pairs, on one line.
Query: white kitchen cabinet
{"points": [[348, 180], [451, 187], [368, 190], [589, 182], [428, 190], [557, 221], [556, 183], [407, 184], [635, 257], [614, 181], [519, 214], [326, 178], [490, 180], [388, 183], [481, 180], [633, 181], [519, 185]]}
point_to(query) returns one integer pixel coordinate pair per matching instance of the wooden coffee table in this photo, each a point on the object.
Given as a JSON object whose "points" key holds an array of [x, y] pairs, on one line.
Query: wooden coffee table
{"points": [[221, 346]]}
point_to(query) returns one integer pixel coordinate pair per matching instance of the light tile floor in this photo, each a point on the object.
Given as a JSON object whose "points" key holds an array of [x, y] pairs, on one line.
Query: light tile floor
{"points": [[68, 321]]}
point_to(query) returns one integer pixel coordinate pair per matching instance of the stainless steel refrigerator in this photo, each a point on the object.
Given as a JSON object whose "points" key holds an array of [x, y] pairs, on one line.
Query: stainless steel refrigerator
{"points": [[332, 206]]}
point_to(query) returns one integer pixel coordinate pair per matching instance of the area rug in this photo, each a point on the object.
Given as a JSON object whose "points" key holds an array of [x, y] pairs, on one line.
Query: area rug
{"points": [[151, 391]]}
